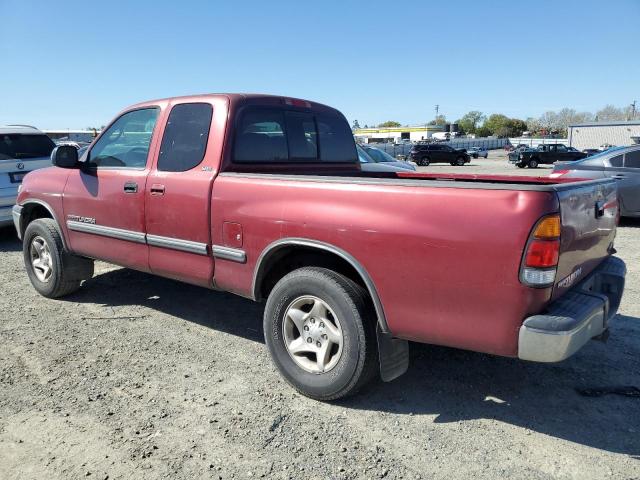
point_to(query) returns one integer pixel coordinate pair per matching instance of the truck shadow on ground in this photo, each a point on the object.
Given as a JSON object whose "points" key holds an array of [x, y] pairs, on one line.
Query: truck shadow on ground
{"points": [[8, 240], [451, 384]]}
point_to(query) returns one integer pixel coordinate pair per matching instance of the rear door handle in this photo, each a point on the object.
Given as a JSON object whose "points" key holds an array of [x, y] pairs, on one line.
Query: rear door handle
{"points": [[157, 189], [619, 175], [130, 187]]}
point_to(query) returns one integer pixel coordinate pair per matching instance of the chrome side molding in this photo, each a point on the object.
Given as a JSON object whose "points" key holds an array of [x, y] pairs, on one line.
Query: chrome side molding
{"points": [[231, 254], [111, 232], [177, 244], [139, 237]]}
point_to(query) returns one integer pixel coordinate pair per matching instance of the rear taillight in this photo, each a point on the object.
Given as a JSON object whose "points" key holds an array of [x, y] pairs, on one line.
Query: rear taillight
{"points": [[558, 173], [542, 253]]}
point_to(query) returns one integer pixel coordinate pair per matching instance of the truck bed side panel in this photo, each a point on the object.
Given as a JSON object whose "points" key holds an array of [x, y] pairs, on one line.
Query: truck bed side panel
{"points": [[444, 261]]}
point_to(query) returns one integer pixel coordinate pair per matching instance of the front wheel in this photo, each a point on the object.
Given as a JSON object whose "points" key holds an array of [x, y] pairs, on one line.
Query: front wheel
{"points": [[459, 162], [533, 163], [320, 331], [424, 162], [53, 272], [520, 165]]}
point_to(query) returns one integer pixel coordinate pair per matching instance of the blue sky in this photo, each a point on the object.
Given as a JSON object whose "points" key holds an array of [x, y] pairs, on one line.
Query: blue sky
{"points": [[69, 64]]}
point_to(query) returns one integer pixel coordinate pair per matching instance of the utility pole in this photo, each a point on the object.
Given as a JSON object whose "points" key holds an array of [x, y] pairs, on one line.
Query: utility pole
{"points": [[633, 110], [437, 110]]}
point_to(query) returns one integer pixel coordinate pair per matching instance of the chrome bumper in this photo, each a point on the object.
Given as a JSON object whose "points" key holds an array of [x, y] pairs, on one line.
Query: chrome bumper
{"points": [[16, 212], [576, 317]]}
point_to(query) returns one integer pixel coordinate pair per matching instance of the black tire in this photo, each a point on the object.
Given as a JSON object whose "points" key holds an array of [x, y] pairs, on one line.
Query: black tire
{"points": [[459, 162], [66, 271], [424, 161], [520, 165], [357, 364], [533, 163]]}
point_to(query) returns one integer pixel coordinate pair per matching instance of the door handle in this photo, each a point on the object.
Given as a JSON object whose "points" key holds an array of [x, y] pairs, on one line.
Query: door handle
{"points": [[157, 189], [619, 175], [130, 187]]}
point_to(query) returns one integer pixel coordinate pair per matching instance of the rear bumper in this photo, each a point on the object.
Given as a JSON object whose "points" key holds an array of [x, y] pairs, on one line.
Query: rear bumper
{"points": [[576, 317]]}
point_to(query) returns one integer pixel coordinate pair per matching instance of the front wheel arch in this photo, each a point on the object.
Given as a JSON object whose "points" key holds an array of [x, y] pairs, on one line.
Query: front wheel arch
{"points": [[35, 209]]}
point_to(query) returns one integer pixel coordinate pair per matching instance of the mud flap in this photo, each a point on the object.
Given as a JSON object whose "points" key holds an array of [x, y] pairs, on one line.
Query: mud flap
{"points": [[393, 354]]}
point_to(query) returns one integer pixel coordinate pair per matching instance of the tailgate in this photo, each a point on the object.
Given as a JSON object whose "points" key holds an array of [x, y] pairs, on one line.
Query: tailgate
{"points": [[589, 212]]}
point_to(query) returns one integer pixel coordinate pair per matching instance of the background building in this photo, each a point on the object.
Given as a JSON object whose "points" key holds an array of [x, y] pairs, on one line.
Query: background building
{"points": [[396, 134], [595, 134]]}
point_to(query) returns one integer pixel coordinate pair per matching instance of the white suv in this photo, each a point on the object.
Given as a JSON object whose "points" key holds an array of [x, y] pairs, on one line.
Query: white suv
{"points": [[22, 149]]}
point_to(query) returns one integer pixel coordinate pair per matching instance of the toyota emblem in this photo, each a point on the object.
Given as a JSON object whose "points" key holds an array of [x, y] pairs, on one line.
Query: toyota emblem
{"points": [[20, 166]]}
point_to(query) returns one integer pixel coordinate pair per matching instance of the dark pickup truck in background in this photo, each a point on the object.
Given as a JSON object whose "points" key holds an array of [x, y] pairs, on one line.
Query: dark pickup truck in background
{"points": [[544, 154]]}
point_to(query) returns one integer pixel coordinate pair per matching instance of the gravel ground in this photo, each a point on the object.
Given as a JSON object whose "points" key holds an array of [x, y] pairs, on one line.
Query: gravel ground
{"points": [[137, 376]]}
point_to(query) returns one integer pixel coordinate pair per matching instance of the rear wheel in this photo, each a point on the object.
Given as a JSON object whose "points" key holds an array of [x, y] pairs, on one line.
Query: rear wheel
{"points": [[424, 161], [320, 334], [53, 272], [533, 163]]}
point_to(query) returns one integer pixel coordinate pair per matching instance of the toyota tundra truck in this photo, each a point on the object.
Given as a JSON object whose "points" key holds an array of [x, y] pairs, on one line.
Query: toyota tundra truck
{"points": [[263, 196]]}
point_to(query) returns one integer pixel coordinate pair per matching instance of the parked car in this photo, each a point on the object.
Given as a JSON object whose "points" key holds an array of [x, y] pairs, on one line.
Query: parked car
{"points": [[591, 151], [544, 154], [476, 152], [265, 198], [369, 164], [620, 163], [383, 157], [427, 153], [22, 149]]}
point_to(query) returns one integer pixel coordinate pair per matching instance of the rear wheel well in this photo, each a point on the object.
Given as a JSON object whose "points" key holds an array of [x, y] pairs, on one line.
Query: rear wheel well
{"points": [[288, 259]]}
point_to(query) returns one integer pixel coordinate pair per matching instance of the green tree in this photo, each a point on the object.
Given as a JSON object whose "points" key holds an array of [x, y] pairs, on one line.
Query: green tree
{"points": [[439, 120], [483, 131], [496, 122], [389, 124], [470, 122], [503, 126]]}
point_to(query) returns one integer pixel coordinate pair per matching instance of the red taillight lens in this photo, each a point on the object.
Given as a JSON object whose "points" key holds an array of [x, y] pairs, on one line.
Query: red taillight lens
{"points": [[542, 253], [558, 173]]}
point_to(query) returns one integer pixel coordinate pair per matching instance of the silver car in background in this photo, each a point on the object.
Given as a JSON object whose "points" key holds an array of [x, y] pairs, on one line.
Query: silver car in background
{"points": [[475, 152], [368, 164], [380, 156], [619, 163], [22, 149]]}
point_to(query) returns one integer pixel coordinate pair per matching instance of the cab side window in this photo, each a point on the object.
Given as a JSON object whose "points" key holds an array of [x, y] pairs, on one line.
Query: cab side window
{"points": [[125, 144], [184, 142]]}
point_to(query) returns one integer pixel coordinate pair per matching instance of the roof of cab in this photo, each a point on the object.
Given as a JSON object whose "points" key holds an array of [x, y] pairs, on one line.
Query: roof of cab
{"points": [[235, 98]]}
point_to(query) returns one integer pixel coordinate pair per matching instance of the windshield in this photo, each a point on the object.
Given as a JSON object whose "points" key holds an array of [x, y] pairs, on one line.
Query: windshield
{"points": [[18, 145], [363, 156], [379, 155], [601, 154]]}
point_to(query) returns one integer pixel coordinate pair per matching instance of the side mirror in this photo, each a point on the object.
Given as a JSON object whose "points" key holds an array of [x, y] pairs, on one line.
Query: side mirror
{"points": [[65, 156]]}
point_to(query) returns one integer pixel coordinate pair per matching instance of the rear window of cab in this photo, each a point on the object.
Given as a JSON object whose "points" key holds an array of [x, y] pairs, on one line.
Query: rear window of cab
{"points": [[269, 135]]}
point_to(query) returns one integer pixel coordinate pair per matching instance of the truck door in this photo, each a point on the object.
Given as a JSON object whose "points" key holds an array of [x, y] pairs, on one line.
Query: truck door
{"points": [[103, 202], [178, 195], [628, 180]]}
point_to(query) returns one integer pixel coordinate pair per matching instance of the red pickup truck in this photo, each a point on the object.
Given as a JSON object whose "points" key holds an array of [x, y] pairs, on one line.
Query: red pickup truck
{"points": [[263, 196]]}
